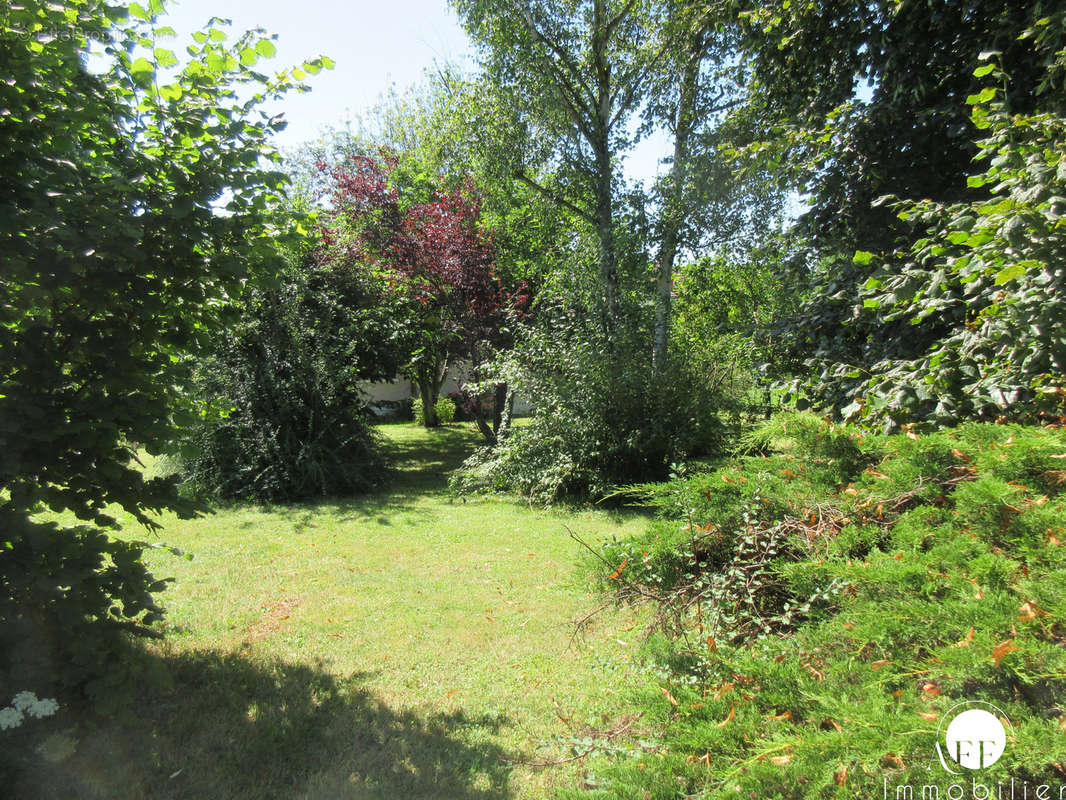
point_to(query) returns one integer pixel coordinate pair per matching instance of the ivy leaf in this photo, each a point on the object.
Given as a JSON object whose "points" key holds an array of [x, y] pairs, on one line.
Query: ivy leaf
{"points": [[165, 58], [981, 97], [171, 92]]}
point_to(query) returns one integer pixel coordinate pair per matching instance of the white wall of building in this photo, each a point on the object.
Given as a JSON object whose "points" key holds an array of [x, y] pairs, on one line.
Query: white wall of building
{"points": [[383, 394]]}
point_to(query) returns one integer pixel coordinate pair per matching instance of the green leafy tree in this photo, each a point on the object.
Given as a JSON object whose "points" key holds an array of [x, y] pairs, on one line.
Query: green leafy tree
{"points": [[727, 308], [434, 253], [990, 273], [137, 198], [706, 199], [867, 100], [459, 131], [586, 81], [576, 75]]}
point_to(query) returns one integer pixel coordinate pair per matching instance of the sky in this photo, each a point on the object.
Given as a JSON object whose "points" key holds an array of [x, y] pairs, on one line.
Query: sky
{"points": [[376, 44]]}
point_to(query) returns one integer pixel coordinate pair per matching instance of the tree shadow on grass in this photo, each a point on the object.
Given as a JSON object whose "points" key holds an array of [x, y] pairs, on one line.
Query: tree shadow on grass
{"points": [[378, 507], [224, 725], [421, 460], [424, 460]]}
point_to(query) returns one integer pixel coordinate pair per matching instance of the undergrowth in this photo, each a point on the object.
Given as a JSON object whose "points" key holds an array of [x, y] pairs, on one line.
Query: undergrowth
{"points": [[825, 599]]}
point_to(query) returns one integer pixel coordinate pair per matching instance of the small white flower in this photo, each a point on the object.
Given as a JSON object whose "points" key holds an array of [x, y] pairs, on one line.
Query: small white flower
{"points": [[45, 707], [24, 700], [10, 718]]}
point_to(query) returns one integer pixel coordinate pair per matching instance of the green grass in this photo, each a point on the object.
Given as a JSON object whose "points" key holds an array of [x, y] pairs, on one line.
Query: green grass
{"points": [[405, 645]]}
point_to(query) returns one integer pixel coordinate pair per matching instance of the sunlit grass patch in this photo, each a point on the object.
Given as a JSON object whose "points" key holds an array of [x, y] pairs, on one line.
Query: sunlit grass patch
{"points": [[421, 641]]}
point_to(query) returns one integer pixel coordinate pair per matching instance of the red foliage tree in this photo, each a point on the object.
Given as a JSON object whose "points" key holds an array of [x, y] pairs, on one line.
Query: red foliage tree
{"points": [[437, 254]]}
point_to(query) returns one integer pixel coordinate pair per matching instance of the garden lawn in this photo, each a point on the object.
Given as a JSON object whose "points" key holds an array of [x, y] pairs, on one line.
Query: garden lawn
{"points": [[405, 645]]}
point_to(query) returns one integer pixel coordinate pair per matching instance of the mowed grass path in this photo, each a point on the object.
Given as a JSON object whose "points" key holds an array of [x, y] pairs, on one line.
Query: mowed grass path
{"points": [[405, 645]]}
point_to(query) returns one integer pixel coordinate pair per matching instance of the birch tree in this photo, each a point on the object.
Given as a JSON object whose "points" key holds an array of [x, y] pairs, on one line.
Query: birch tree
{"points": [[577, 72]]}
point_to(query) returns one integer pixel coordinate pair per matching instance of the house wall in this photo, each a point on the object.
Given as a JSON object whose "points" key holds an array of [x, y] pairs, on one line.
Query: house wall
{"points": [[386, 392]]}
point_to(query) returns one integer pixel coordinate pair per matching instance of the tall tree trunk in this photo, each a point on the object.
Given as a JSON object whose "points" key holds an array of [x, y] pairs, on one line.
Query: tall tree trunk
{"points": [[487, 433], [430, 380], [500, 397], [427, 392], [673, 202], [491, 432], [664, 288], [506, 413], [601, 145], [605, 234]]}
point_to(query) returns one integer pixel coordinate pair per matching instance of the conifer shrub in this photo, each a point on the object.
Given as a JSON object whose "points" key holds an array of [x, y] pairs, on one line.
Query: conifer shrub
{"points": [[825, 600]]}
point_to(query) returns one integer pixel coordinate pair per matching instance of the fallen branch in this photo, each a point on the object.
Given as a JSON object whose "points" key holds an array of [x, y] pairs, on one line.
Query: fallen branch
{"points": [[581, 624]]}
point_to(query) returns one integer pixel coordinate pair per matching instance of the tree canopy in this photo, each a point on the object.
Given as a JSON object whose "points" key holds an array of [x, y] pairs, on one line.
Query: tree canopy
{"points": [[139, 196], [873, 100]]}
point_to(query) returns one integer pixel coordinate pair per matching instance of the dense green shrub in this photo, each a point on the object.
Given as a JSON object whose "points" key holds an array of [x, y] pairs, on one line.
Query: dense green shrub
{"points": [[284, 417], [444, 407], [827, 599], [604, 416], [726, 307]]}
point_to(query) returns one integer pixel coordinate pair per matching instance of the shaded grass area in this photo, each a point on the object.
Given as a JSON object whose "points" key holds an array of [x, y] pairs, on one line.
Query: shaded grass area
{"points": [[403, 645], [231, 725], [422, 459]]}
